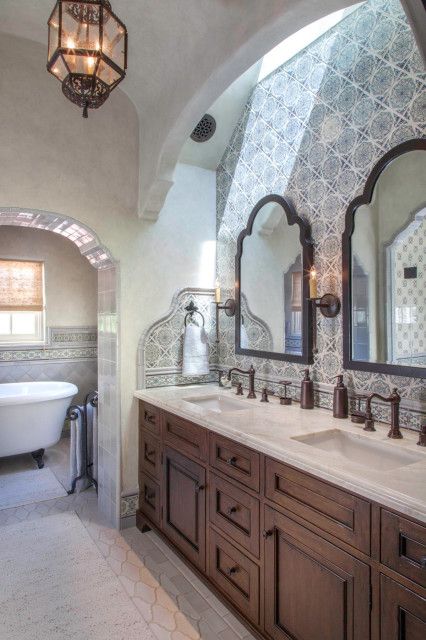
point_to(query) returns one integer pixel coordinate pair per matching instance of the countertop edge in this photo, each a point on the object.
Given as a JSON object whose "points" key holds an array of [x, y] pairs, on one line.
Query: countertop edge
{"points": [[386, 498]]}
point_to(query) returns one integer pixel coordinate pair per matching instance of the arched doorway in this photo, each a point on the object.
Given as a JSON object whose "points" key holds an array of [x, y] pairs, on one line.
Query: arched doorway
{"points": [[100, 258]]}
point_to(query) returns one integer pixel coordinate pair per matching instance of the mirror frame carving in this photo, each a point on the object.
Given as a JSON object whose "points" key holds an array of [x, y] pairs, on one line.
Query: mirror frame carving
{"points": [[414, 144], [307, 249]]}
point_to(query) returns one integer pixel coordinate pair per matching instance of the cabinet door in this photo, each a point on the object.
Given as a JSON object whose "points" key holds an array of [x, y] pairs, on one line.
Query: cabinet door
{"points": [[313, 590], [184, 517], [402, 612]]}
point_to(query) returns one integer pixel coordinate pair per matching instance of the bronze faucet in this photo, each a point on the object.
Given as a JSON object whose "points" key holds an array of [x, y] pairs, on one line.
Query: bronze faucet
{"points": [[250, 372], [394, 399]]}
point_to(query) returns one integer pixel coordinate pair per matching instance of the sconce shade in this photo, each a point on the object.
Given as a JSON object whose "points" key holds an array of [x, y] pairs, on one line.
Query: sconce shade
{"points": [[87, 51]]}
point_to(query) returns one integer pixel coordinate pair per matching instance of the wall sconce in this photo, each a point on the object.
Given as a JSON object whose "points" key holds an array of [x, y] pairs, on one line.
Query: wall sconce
{"points": [[228, 307], [328, 304]]}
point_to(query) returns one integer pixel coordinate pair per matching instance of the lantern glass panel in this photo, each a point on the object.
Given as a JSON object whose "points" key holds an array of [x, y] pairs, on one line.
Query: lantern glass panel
{"points": [[80, 26], [80, 63], [107, 74], [53, 32], [59, 69], [113, 44]]}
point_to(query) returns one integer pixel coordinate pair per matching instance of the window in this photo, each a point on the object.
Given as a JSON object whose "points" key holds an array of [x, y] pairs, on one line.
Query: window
{"points": [[21, 302], [296, 303]]}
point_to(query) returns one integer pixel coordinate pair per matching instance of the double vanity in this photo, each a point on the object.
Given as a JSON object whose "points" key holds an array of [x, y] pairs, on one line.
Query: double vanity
{"points": [[307, 526]]}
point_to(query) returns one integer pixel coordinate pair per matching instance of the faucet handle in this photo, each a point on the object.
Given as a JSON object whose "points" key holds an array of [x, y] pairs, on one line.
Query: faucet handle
{"points": [[422, 436], [284, 400], [265, 393]]}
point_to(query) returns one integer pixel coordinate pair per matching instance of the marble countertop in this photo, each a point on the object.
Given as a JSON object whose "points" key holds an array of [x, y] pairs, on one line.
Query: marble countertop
{"points": [[270, 429]]}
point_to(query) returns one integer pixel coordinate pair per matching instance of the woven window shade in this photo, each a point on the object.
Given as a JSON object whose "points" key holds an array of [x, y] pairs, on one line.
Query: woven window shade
{"points": [[21, 285]]}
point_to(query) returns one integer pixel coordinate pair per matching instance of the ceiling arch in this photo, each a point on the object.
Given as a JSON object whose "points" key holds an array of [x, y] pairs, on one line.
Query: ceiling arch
{"points": [[182, 56]]}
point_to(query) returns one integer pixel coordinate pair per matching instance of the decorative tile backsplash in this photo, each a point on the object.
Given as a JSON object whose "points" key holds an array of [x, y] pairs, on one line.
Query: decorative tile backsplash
{"points": [[70, 355], [312, 131], [161, 347]]}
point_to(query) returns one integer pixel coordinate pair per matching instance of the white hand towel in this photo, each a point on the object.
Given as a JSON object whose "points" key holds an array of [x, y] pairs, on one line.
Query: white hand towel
{"points": [[195, 351]]}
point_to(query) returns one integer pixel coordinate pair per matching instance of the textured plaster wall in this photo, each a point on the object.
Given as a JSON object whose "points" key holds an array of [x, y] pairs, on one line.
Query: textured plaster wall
{"points": [[54, 160], [70, 281], [313, 130]]}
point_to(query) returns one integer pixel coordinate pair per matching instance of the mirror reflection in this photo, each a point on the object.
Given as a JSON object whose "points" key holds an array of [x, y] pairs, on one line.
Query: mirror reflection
{"points": [[271, 284], [388, 269]]}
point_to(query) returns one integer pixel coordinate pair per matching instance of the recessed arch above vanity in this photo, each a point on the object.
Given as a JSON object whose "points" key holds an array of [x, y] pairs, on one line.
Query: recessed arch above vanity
{"points": [[384, 267], [274, 257]]}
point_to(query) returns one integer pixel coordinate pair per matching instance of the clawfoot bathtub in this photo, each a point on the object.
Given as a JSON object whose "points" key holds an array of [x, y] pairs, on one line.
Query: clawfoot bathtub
{"points": [[32, 415]]}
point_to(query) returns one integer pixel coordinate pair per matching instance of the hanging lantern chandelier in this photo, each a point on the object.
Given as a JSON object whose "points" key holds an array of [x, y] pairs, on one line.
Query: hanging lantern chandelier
{"points": [[87, 51]]}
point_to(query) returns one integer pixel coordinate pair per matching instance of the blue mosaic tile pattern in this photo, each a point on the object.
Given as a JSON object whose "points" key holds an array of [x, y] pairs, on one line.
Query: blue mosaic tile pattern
{"points": [[312, 131]]}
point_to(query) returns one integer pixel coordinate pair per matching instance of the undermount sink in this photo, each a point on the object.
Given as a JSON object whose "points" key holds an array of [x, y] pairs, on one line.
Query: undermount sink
{"points": [[360, 449], [218, 403]]}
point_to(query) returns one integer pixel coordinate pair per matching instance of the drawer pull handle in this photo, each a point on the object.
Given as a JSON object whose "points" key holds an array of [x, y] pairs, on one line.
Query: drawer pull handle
{"points": [[232, 570], [199, 487], [231, 510], [149, 418], [267, 533], [151, 453], [149, 495], [423, 562], [232, 460]]}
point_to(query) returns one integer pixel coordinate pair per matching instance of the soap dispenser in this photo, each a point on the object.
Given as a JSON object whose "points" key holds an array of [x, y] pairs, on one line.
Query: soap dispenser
{"points": [[307, 392], [340, 398]]}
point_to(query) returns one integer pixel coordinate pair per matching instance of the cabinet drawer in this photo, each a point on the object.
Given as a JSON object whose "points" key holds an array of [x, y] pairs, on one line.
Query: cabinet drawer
{"points": [[149, 455], [149, 498], [235, 575], [149, 418], [235, 460], [235, 512], [334, 511], [185, 436], [402, 612], [403, 546]]}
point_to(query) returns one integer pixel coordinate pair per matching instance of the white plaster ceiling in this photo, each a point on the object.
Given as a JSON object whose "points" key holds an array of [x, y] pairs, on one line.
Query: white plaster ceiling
{"points": [[182, 56]]}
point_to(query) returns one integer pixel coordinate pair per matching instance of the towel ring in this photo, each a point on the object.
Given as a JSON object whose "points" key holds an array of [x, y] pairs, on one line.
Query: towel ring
{"points": [[191, 313]]}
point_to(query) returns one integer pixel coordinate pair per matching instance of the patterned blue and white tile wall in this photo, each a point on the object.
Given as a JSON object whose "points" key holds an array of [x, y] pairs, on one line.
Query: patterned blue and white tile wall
{"points": [[312, 131]]}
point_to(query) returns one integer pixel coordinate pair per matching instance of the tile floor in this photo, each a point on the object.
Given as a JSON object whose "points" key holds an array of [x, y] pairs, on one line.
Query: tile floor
{"points": [[169, 597]]}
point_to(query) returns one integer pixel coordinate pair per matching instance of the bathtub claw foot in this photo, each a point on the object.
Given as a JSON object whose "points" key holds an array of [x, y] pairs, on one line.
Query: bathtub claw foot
{"points": [[38, 457]]}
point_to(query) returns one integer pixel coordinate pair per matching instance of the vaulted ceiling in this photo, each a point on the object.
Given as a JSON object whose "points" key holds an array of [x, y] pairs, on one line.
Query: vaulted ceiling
{"points": [[182, 56]]}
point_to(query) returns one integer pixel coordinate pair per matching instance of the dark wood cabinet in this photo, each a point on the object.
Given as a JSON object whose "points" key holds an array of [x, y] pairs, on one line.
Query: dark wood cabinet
{"points": [[185, 436], [330, 509], [403, 546], [295, 557], [235, 460], [149, 498], [313, 589], [235, 512], [184, 505], [403, 613], [236, 575]]}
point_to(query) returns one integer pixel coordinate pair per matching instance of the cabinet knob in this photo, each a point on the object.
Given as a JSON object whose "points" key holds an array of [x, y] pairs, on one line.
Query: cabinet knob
{"points": [[423, 562], [267, 533], [232, 460], [232, 570], [149, 418], [199, 487], [231, 510]]}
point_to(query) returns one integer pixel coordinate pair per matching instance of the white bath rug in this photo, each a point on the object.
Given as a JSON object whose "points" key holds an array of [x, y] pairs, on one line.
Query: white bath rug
{"points": [[55, 584], [26, 487]]}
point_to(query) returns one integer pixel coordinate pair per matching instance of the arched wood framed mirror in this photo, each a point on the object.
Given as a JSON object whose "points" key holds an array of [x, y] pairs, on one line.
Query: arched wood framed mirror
{"points": [[274, 256], [384, 267]]}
